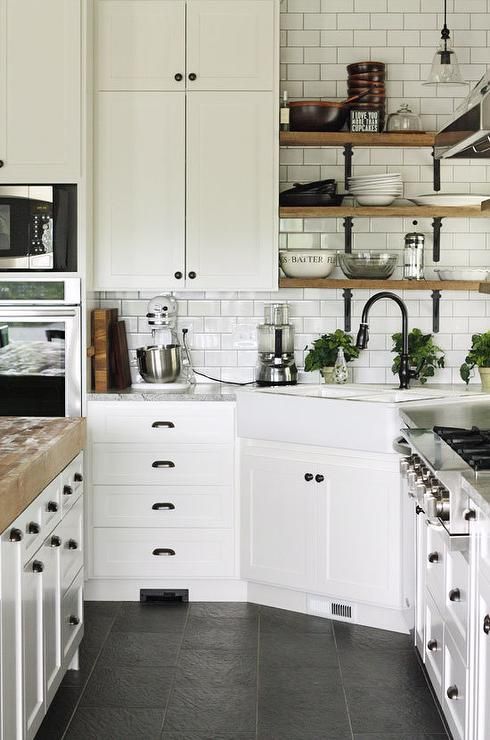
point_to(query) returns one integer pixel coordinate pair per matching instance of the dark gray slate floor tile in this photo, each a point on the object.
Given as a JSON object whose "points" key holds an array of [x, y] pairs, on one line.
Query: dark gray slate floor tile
{"points": [[383, 710], [128, 687], [272, 620], [96, 630], [220, 634], [198, 736], [304, 713], [141, 648], [109, 723], [224, 610], [377, 736], [102, 608], [281, 652], [217, 667], [373, 667], [302, 736], [303, 679], [59, 714], [211, 710], [136, 617], [355, 636], [79, 678]]}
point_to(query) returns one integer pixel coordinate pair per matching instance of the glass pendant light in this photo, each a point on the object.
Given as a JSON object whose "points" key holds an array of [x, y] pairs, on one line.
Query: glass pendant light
{"points": [[445, 67]]}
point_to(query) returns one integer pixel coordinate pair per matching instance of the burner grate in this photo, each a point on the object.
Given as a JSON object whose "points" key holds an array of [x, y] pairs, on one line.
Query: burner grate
{"points": [[473, 445]]}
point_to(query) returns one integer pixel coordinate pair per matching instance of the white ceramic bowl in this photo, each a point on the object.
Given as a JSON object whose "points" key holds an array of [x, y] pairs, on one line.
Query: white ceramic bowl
{"points": [[479, 274], [375, 200], [307, 263]]}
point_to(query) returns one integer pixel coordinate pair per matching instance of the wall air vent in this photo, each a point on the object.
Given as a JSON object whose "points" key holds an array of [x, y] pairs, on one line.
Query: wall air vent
{"points": [[322, 606], [341, 610]]}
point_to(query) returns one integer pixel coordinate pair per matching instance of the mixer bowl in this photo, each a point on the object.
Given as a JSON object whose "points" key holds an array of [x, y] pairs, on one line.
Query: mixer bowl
{"points": [[159, 364]]}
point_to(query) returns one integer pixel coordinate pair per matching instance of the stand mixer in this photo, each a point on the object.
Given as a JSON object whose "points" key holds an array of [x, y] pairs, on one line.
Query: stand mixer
{"points": [[160, 362]]}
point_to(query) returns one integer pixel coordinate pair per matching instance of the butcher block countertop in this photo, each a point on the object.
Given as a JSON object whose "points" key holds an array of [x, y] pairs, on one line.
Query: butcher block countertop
{"points": [[33, 451]]}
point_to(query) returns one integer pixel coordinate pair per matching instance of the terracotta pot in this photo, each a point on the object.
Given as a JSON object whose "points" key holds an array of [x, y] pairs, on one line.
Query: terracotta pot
{"points": [[485, 377]]}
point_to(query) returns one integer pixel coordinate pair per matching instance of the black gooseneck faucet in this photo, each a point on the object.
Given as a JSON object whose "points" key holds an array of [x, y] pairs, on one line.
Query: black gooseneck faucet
{"points": [[363, 335]]}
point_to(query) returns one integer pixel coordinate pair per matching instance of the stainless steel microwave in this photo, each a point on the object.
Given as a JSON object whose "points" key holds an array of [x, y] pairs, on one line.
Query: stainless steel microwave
{"points": [[38, 227]]}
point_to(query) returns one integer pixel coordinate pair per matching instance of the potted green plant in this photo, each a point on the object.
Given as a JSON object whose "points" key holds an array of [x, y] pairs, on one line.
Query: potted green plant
{"points": [[323, 353], [424, 355], [478, 356]]}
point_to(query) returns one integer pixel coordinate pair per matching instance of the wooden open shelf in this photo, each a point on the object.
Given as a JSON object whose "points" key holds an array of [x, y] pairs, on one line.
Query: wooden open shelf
{"points": [[343, 283], [344, 138], [409, 211]]}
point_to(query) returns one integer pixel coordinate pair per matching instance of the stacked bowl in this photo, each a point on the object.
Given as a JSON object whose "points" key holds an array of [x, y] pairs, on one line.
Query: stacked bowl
{"points": [[369, 77], [376, 190]]}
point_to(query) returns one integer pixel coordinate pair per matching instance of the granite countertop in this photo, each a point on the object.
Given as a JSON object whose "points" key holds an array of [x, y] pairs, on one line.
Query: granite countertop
{"points": [[34, 450], [464, 412], [198, 392], [478, 489]]}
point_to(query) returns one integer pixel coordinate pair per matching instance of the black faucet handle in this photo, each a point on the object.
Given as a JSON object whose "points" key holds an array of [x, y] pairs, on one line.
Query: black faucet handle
{"points": [[362, 336]]}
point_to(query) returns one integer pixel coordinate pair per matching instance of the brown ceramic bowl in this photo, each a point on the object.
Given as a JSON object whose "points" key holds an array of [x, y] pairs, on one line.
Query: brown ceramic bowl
{"points": [[376, 90], [316, 115], [362, 67]]}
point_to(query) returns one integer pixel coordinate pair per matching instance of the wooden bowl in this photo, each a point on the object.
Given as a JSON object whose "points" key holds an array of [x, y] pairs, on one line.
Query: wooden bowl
{"points": [[368, 77], [361, 67]]}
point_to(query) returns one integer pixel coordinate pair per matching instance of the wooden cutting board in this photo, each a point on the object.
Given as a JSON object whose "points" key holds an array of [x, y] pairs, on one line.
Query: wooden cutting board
{"points": [[121, 373], [102, 318]]}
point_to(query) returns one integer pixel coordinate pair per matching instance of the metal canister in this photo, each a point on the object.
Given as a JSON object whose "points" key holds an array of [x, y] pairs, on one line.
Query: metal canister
{"points": [[413, 256]]}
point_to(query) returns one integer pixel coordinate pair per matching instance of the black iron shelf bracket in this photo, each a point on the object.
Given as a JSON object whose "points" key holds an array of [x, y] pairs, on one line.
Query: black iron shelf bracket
{"points": [[436, 228], [348, 154], [348, 220], [437, 171], [347, 293], [436, 310]]}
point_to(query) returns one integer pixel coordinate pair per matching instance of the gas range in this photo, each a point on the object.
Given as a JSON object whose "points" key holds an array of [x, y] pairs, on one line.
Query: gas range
{"points": [[433, 472]]}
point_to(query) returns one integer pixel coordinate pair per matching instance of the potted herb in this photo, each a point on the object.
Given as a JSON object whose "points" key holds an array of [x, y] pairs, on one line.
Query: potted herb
{"points": [[323, 353], [424, 355], [478, 356]]}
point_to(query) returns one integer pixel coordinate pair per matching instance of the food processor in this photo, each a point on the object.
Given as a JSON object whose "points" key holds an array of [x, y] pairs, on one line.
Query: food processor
{"points": [[276, 363]]}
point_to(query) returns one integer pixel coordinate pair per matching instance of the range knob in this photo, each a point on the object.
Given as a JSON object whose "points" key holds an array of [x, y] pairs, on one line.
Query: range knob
{"points": [[420, 491], [404, 466], [430, 505]]}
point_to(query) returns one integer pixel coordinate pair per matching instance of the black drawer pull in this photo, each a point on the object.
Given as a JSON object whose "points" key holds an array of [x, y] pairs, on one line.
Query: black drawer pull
{"points": [[432, 645], [67, 490], [163, 464], [37, 566], [433, 557], [452, 692], [74, 621], [160, 424], [78, 478], [55, 541], [163, 551], [308, 477], [486, 624], [15, 535], [72, 545], [319, 478], [455, 594], [166, 507], [33, 528], [52, 506]]}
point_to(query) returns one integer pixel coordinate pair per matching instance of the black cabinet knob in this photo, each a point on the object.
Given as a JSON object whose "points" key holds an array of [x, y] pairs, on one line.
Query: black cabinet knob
{"points": [[192, 76], [469, 514], [432, 645], [72, 545], [178, 77], [455, 594], [15, 535], [192, 275], [52, 506], [308, 477], [178, 275], [452, 692], [37, 566], [2, 163], [55, 541], [419, 510], [486, 624], [433, 557], [74, 620], [67, 490], [78, 478], [319, 478], [33, 528]]}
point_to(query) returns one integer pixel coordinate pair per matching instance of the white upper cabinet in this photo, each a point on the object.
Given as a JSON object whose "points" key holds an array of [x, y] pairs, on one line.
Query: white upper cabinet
{"points": [[40, 90], [140, 189], [140, 45], [229, 45], [231, 191]]}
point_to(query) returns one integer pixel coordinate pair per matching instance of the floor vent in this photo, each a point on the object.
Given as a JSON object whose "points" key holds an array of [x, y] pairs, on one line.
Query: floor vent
{"points": [[162, 596], [322, 606]]}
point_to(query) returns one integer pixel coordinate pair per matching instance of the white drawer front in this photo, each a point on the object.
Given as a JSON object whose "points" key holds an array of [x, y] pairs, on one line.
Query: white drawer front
{"points": [[162, 506], [72, 618], [72, 482], [167, 423], [436, 565], [454, 689], [457, 588], [163, 553], [71, 532], [434, 644], [161, 465]]}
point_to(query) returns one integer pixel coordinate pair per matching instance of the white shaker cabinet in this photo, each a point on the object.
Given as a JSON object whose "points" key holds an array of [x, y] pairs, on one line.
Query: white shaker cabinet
{"points": [[40, 78], [483, 658], [33, 644], [11, 646]]}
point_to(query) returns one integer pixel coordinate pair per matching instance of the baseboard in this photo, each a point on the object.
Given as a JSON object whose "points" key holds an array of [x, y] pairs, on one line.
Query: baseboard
{"points": [[199, 590]]}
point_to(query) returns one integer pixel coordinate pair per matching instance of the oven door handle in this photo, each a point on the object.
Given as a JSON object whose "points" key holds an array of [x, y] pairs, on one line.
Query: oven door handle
{"points": [[401, 446], [36, 312]]}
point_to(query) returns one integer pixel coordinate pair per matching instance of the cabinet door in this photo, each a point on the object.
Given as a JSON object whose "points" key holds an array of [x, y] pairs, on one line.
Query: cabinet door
{"points": [[232, 226], [32, 648], [139, 190], [50, 556], [279, 514], [420, 591], [40, 90], [11, 637], [230, 45], [359, 533], [483, 659], [140, 44]]}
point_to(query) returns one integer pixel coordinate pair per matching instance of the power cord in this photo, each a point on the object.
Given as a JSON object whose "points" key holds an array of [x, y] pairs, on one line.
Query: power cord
{"points": [[203, 375]]}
